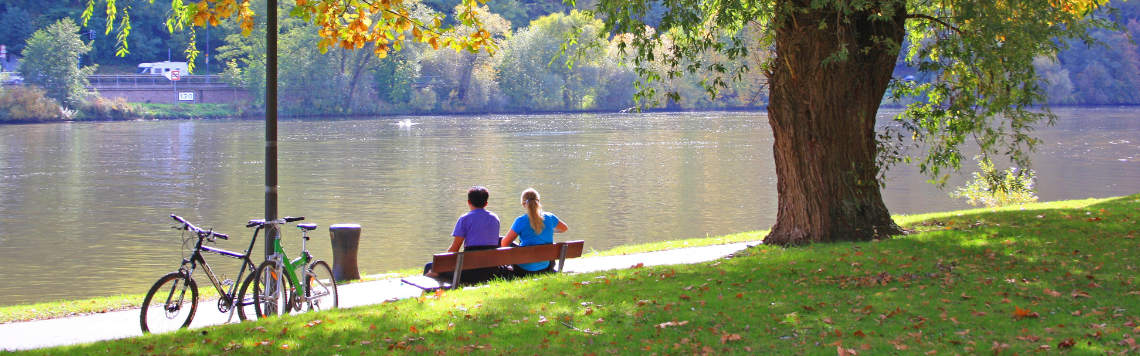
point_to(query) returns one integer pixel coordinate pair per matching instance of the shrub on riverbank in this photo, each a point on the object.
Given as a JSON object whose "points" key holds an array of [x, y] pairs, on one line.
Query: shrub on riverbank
{"points": [[27, 104], [100, 108], [1050, 277]]}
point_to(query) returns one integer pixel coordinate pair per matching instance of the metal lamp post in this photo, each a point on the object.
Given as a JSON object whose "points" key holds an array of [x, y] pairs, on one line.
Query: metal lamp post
{"points": [[273, 232]]}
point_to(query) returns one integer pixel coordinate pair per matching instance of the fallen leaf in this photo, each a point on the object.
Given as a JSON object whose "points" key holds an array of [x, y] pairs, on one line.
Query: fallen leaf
{"points": [[1079, 294], [1052, 293], [638, 265], [730, 337], [1019, 313], [413, 329], [998, 347], [839, 350], [668, 324], [1067, 343]]}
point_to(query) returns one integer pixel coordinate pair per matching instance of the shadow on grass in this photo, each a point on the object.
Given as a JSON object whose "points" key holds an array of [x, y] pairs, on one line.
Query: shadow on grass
{"points": [[1053, 279]]}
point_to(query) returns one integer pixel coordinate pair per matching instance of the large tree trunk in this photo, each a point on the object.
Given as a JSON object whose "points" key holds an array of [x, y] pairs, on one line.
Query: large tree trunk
{"points": [[822, 114]]}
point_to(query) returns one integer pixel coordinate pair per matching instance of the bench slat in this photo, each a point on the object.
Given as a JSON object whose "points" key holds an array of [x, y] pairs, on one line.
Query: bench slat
{"points": [[445, 262]]}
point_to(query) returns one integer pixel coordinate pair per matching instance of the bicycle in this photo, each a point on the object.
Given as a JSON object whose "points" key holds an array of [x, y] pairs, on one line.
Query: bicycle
{"points": [[174, 285], [275, 287]]}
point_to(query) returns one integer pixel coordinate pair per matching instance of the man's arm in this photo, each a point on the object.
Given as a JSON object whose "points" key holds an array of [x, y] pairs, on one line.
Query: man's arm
{"points": [[456, 244], [506, 241]]}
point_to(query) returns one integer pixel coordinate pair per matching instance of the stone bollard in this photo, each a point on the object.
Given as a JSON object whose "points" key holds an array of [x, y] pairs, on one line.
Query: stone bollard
{"points": [[345, 240]]}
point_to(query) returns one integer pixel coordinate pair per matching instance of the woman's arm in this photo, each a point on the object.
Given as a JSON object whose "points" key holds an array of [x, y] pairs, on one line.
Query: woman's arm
{"points": [[507, 240], [561, 227]]}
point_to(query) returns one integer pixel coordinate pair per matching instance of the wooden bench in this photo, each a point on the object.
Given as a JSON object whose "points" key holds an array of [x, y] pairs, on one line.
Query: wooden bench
{"points": [[458, 262]]}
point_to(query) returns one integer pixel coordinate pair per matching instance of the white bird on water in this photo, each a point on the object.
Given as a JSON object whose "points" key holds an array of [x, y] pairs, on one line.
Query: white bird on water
{"points": [[405, 123]]}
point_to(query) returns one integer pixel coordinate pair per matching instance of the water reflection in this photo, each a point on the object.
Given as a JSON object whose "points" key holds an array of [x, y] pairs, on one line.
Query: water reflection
{"points": [[83, 207]]}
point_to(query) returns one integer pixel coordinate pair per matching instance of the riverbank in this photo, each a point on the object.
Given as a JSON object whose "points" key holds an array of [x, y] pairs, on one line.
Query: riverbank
{"points": [[1041, 277]]}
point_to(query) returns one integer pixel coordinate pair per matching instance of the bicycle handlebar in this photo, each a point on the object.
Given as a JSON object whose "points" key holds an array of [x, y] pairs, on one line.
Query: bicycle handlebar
{"points": [[201, 233]]}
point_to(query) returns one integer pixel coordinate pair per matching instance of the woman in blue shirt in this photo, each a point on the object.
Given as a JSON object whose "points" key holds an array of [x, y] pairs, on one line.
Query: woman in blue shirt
{"points": [[536, 227]]}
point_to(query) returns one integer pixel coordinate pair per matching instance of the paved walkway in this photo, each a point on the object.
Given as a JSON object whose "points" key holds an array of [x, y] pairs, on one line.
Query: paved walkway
{"points": [[122, 324]]}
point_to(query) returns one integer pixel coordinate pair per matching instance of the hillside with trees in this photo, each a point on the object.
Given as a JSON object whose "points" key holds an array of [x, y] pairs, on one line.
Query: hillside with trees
{"points": [[532, 71]]}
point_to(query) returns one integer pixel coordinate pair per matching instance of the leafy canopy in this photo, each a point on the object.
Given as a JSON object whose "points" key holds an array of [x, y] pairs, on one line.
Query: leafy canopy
{"points": [[51, 62], [976, 55], [348, 24]]}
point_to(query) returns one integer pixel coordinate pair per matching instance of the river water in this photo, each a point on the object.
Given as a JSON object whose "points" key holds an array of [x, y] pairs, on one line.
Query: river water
{"points": [[84, 206]]}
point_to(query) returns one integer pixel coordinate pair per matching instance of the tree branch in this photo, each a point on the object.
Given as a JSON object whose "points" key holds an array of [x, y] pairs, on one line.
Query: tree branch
{"points": [[935, 20]]}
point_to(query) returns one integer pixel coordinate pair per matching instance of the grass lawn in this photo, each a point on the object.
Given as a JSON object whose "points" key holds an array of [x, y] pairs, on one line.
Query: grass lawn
{"points": [[1054, 277]]}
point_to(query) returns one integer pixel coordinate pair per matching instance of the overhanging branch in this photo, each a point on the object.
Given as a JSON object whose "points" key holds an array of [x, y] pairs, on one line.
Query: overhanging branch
{"points": [[935, 20]]}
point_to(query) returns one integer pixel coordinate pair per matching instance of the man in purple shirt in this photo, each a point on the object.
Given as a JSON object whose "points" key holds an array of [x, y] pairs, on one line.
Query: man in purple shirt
{"points": [[478, 229]]}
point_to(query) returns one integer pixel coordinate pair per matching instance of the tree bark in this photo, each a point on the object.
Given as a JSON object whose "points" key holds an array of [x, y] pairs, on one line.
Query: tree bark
{"points": [[822, 113]]}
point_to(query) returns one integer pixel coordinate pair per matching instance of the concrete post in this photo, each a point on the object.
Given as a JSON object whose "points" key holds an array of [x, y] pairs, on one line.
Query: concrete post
{"points": [[345, 241]]}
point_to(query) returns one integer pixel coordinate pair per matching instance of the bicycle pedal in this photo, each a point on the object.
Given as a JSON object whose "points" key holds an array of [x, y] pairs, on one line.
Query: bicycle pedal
{"points": [[228, 282]]}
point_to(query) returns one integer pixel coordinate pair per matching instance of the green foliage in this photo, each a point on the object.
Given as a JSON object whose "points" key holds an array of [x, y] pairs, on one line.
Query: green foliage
{"points": [[556, 62], [987, 86], [27, 104], [991, 188], [15, 27], [186, 111], [51, 61]]}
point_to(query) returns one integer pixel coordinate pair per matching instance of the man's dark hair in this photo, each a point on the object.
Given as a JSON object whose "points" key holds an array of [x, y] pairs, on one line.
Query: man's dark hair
{"points": [[477, 196]]}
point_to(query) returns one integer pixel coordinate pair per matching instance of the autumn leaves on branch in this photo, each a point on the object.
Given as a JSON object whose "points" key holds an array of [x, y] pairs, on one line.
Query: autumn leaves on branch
{"points": [[350, 24]]}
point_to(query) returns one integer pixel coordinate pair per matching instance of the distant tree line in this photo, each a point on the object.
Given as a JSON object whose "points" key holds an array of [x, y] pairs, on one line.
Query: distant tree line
{"points": [[535, 68], [531, 71]]}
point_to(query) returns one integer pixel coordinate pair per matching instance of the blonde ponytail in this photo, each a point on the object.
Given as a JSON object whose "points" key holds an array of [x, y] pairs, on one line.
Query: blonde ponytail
{"points": [[533, 209]]}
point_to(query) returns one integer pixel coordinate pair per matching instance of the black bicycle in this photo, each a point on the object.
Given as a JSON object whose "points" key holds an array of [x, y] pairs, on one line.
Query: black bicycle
{"points": [[167, 305]]}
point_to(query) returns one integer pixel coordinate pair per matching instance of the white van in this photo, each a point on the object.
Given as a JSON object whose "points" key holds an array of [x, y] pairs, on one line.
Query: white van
{"points": [[163, 68]]}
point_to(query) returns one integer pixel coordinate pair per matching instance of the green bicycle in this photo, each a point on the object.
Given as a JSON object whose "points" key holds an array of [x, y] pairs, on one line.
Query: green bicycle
{"points": [[278, 288]]}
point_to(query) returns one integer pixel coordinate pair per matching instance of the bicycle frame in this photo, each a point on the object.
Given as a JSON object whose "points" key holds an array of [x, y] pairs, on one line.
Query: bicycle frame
{"points": [[190, 264], [289, 267]]}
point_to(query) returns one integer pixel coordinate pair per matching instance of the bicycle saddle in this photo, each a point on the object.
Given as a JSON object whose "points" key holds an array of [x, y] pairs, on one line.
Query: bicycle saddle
{"points": [[308, 227]]}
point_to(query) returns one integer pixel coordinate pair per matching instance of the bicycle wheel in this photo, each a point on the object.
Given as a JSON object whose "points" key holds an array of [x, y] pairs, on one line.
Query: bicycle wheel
{"points": [[271, 291], [320, 287], [245, 300], [165, 307]]}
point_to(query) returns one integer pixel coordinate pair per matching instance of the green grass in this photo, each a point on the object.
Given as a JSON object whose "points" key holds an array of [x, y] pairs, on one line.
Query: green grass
{"points": [[186, 111], [1054, 277], [64, 308]]}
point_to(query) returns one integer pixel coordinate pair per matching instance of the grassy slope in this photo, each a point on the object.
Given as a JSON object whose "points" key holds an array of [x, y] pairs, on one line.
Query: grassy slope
{"points": [[1056, 276]]}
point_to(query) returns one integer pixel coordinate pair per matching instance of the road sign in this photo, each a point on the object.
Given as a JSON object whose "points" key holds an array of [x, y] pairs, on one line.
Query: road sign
{"points": [[175, 75], [186, 96], [3, 52]]}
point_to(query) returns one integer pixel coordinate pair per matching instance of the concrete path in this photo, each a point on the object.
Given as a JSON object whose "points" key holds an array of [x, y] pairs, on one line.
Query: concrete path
{"points": [[122, 324]]}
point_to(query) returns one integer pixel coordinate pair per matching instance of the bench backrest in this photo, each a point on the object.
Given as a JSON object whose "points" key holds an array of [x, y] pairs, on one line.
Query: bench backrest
{"points": [[446, 262]]}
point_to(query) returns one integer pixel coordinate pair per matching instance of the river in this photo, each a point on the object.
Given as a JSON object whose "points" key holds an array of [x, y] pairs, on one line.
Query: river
{"points": [[84, 206]]}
